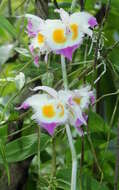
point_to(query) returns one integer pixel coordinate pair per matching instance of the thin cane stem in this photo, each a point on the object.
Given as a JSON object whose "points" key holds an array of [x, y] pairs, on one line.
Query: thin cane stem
{"points": [[38, 159], [68, 131]]}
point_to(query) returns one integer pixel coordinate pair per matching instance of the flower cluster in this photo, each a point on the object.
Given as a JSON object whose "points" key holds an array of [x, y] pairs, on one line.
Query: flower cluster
{"points": [[53, 108], [62, 36]]}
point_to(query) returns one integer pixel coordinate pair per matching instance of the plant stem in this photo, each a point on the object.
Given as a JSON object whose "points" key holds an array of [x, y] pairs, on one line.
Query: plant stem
{"points": [[111, 122], [68, 131], [53, 158], [106, 95], [9, 8], [73, 5], [116, 178], [64, 72], [38, 159]]}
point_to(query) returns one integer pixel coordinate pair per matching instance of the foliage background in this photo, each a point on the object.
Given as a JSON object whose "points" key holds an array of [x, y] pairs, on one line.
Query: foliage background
{"points": [[96, 152]]}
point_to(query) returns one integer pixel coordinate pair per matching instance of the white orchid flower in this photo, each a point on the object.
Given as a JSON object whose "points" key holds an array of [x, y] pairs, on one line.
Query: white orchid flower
{"points": [[53, 108]]}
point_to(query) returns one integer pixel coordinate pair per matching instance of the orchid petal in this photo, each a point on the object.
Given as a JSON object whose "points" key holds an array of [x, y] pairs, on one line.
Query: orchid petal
{"points": [[92, 22], [36, 61], [68, 52], [80, 131], [23, 106], [49, 127], [64, 15], [47, 89]]}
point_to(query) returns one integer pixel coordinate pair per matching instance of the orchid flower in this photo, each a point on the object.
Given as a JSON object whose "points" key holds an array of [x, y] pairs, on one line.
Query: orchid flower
{"points": [[53, 108], [60, 36], [78, 102], [38, 43], [77, 24], [48, 111]]}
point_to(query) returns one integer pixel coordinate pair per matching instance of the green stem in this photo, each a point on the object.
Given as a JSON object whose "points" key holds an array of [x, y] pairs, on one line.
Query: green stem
{"points": [[53, 174], [111, 121], [74, 159], [53, 158], [38, 159], [106, 95], [64, 72], [68, 131], [73, 5]]}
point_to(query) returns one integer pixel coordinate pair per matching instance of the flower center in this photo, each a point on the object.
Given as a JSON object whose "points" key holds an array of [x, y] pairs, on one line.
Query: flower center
{"points": [[74, 28], [61, 107], [77, 100], [48, 111], [58, 36], [40, 38]]}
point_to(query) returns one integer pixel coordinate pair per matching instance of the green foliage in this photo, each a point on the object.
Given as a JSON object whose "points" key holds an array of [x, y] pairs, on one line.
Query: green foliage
{"points": [[24, 147], [18, 134]]}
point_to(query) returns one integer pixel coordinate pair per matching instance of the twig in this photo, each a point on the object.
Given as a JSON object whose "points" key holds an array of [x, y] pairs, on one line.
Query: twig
{"points": [[106, 95], [98, 39]]}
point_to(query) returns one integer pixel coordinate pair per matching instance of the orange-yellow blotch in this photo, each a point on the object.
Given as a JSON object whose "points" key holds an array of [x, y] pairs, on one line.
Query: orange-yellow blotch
{"points": [[58, 36], [61, 107], [77, 100], [48, 111], [74, 28], [40, 38]]}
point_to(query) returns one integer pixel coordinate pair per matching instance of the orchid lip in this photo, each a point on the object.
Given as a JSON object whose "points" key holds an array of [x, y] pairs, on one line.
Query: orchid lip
{"points": [[68, 51], [49, 127]]}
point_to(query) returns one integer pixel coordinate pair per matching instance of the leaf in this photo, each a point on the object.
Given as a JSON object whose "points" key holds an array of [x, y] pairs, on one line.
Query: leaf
{"points": [[24, 147], [5, 52], [96, 123], [23, 51], [91, 183], [64, 179], [4, 159], [47, 79], [3, 132], [6, 25]]}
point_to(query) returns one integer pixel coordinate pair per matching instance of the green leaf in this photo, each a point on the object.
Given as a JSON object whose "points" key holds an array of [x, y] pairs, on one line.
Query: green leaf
{"points": [[23, 52], [91, 183], [3, 132], [47, 79], [5, 52], [4, 159], [24, 147], [96, 123], [7, 26]]}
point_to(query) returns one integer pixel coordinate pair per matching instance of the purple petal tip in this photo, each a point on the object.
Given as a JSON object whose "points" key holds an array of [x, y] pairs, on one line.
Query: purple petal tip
{"points": [[92, 22], [49, 127], [36, 61], [68, 52], [23, 106]]}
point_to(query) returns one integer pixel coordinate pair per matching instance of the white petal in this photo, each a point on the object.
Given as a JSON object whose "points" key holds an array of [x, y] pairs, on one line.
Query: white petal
{"points": [[64, 15], [47, 89]]}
